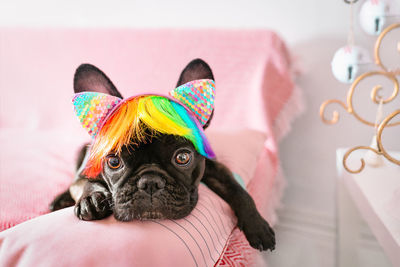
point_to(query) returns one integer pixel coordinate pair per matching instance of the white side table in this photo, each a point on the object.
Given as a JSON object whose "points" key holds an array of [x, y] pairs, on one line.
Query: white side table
{"points": [[370, 194]]}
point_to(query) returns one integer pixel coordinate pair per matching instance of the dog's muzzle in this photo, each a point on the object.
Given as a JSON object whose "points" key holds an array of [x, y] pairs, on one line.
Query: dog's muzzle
{"points": [[150, 183]]}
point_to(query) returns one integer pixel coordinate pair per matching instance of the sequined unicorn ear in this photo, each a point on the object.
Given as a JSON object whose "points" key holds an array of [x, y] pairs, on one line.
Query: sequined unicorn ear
{"points": [[198, 96], [92, 109]]}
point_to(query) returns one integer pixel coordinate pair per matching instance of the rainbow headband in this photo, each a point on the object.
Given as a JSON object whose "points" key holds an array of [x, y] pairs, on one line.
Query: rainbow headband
{"points": [[113, 122]]}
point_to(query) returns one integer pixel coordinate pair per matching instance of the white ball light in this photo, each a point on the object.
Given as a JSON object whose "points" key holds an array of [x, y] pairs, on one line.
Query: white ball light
{"points": [[374, 15], [349, 62]]}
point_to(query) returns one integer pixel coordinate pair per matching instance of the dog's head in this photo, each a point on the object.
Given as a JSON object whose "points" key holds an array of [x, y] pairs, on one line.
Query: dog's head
{"points": [[155, 175], [156, 180]]}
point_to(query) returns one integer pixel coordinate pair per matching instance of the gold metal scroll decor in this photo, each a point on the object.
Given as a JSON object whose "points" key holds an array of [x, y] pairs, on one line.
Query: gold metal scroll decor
{"points": [[375, 97], [380, 149], [378, 46]]}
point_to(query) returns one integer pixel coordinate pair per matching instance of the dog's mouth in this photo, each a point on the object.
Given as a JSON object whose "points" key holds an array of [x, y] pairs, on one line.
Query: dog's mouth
{"points": [[127, 213], [152, 208], [152, 215]]}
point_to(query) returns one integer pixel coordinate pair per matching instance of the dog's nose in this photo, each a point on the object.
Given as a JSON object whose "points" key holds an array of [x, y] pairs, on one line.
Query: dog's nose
{"points": [[151, 183]]}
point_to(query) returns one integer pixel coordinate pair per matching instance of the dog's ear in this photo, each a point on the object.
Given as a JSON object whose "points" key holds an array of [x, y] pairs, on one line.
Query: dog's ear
{"points": [[89, 78], [197, 69]]}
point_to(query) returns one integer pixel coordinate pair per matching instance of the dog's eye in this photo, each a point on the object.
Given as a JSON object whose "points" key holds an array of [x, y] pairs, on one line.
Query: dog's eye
{"points": [[183, 158], [113, 162]]}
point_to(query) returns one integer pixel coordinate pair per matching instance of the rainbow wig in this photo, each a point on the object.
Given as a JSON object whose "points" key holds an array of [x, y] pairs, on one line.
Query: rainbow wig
{"points": [[140, 118]]}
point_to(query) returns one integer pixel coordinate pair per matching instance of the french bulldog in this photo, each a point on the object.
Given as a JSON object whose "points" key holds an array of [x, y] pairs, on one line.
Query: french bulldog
{"points": [[157, 179]]}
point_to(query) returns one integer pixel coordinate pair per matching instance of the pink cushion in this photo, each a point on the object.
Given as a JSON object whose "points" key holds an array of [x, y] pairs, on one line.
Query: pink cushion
{"points": [[197, 240], [60, 239], [48, 158], [39, 134]]}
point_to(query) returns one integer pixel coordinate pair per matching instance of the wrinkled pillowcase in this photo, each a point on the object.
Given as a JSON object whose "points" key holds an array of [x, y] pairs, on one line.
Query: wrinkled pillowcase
{"points": [[61, 238]]}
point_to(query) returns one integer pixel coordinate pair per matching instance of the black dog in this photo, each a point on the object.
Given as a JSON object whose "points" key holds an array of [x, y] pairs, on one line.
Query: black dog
{"points": [[157, 179]]}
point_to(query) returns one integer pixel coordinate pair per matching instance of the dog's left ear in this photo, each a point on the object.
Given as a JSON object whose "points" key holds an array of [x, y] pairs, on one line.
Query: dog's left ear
{"points": [[89, 78], [197, 69], [95, 97]]}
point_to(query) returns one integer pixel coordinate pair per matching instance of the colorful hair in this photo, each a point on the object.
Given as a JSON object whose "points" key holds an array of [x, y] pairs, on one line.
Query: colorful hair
{"points": [[137, 121]]}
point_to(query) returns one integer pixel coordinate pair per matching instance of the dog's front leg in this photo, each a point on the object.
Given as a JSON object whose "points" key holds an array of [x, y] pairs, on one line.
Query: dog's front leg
{"points": [[95, 201], [258, 232]]}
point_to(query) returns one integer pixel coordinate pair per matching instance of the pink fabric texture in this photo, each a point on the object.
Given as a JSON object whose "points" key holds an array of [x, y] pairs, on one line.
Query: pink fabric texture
{"points": [[39, 133], [251, 68], [197, 240], [49, 163], [60, 239]]}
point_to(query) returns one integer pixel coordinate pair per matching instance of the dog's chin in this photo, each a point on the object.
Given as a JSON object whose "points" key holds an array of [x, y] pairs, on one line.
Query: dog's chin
{"points": [[152, 215], [127, 216], [127, 212]]}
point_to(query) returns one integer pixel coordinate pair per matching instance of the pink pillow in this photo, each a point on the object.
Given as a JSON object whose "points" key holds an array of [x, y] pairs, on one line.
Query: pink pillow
{"points": [[197, 240], [60, 239], [35, 167], [239, 150], [48, 160]]}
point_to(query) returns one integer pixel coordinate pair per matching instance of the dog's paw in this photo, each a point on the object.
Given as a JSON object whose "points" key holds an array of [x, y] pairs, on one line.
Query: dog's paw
{"points": [[258, 232], [94, 206]]}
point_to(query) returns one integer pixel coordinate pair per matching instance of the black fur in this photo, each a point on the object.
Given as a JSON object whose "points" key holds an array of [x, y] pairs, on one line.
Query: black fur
{"points": [[258, 232], [196, 69], [89, 78], [63, 200], [149, 183]]}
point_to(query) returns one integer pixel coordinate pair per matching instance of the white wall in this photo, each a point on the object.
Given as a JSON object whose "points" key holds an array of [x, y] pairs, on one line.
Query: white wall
{"points": [[313, 29], [295, 20]]}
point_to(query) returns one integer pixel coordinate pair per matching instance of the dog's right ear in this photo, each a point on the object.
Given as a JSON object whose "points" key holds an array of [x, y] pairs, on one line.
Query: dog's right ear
{"points": [[195, 70], [89, 78]]}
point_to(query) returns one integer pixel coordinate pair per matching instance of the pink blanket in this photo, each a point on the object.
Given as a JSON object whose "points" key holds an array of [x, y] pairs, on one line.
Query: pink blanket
{"points": [[39, 133]]}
